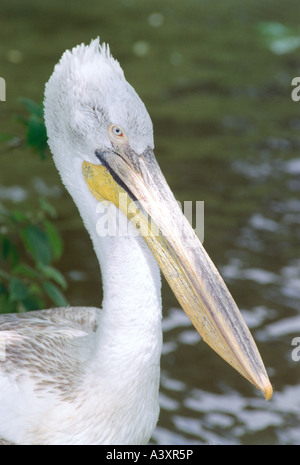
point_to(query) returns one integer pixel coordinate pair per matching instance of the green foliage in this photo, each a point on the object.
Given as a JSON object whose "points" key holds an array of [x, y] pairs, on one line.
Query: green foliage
{"points": [[279, 38], [29, 240], [36, 135], [29, 243]]}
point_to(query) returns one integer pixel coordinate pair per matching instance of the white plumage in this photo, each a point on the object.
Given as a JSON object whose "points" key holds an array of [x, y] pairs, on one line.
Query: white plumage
{"points": [[91, 376], [78, 373]]}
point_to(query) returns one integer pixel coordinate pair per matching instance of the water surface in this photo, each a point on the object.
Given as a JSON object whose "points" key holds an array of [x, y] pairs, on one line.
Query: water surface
{"points": [[226, 132]]}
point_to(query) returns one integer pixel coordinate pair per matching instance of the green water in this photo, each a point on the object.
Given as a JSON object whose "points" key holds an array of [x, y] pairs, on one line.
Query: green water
{"points": [[226, 132]]}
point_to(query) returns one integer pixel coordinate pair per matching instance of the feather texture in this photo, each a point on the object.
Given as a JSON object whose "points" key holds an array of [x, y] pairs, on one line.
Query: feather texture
{"points": [[83, 375]]}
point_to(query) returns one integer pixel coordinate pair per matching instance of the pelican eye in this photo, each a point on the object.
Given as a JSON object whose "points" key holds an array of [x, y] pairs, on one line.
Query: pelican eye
{"points": [[117, 131]]}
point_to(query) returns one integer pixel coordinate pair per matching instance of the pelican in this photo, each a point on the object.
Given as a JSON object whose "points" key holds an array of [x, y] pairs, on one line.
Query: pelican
{"points": [[82, 375]]}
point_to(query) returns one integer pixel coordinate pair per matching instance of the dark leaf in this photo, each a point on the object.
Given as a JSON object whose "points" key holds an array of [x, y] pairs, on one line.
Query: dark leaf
{"points": [[37, 244], [9, 251], [4, 276], [54, 239], [18, 216], [47, 207], [6, 305], [36, 134], [3, 289], [52, 273], [55, 294], [32, 107], [17, 290], [25, 270], [32, 302]]}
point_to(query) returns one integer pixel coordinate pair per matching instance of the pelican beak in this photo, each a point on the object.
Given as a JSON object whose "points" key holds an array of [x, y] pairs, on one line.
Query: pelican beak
{"points": [[195, 281]]}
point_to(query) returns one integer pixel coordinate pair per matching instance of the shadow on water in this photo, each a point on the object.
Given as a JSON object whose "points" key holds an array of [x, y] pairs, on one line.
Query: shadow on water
{"points": [[227, 132]]}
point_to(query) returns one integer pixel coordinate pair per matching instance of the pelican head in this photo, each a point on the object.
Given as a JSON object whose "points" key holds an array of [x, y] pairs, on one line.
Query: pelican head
{"points": [[90, 99], [97, 124]]}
